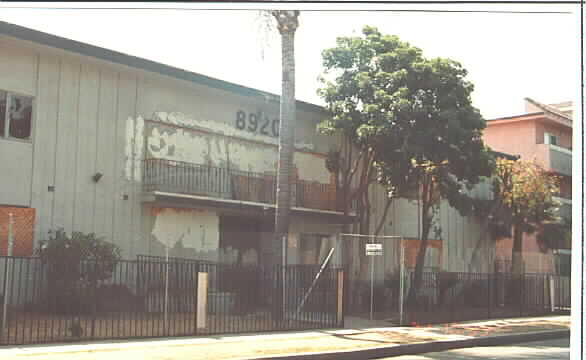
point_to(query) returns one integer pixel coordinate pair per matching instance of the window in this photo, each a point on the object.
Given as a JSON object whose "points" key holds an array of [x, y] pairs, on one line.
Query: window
{"points": [[15, 115], [550, 139]]}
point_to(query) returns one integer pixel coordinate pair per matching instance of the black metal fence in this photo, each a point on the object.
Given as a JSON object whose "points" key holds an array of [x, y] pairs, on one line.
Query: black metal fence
{"points": [[153, 297], [446, 297]]}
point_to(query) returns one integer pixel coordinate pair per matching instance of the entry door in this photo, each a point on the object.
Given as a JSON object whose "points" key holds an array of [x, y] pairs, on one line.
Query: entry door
{"points": [[240, 236]]}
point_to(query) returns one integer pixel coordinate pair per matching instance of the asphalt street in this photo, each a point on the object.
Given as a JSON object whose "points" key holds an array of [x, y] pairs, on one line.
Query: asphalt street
{"points": [[558, 349]]}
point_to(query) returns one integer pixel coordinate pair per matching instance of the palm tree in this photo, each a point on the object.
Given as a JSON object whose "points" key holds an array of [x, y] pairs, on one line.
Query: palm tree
{"points": [[287, 23]]}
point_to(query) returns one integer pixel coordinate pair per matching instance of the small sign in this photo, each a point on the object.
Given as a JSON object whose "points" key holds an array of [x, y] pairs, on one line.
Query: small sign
{"points": [[374, 249]]}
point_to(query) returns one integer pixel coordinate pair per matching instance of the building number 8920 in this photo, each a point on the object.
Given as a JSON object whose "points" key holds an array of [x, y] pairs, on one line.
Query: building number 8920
{"points": [[257, 123]]}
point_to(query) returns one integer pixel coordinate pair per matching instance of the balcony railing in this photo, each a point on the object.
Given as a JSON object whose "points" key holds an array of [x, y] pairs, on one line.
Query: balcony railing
{"points": [[555, 158], [194, 179], [565, 208], [560, 160]]}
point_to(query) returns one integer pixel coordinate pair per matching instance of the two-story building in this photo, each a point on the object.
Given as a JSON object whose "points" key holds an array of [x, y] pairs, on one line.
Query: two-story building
{"points": [[543, 134], [148, 155], [151, 157]]}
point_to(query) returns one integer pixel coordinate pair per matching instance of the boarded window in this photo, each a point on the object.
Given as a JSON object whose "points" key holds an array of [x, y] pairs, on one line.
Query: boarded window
{"points": [[22, 230]]}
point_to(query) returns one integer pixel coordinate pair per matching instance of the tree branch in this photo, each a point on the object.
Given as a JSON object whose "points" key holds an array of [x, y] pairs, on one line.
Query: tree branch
{"points": [[381, 223]]}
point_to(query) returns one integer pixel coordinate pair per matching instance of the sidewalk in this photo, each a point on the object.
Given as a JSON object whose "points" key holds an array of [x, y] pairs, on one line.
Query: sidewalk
{"points": [[327, 344]]}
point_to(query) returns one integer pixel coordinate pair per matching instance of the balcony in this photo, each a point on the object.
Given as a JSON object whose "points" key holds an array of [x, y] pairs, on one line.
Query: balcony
{"points": [[556, 158], [565, 209], [222, 183]]}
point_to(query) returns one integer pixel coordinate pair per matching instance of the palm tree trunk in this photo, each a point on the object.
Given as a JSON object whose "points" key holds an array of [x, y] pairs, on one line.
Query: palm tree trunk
{"points": [[287, 24]]}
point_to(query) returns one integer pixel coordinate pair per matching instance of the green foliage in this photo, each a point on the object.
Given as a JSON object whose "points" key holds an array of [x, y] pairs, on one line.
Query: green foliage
{"points": [[414, 114], [62, 252], [555, 235], [74, 265], [524, 197]]}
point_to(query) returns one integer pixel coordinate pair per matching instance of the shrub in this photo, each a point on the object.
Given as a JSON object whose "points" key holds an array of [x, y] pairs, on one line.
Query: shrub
{"points": [[74, 266]]}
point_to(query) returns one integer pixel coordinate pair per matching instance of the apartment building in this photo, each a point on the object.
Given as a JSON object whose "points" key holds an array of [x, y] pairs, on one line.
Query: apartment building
{"points": [[543, 134], [153, 157]]}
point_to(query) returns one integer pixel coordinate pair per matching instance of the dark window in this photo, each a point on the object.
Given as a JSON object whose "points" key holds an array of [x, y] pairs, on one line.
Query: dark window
{"points": [[15, 115], [550, 139]]}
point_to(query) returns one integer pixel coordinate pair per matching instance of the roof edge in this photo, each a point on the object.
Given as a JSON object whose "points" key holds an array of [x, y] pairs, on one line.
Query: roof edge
{"points": [[504, 155], [517, 116], [43, 38], [548, 109]]}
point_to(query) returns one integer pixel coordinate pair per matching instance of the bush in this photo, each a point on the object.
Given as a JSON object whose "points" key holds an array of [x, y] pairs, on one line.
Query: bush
{"points": [[74, 266]]}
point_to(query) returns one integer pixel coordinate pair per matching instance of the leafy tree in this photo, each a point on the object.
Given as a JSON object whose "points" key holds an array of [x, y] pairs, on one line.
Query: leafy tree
{"points": [[412, 120], [555, 234], [524, 204]]}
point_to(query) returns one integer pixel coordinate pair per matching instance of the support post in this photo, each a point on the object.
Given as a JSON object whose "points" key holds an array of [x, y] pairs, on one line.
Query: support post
{"points": [[371, 281], [166, 300], [283, 276], [202, 299]]}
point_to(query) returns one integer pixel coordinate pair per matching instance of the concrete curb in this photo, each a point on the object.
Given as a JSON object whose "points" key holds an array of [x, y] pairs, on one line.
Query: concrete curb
{"points": [[414, 349]]}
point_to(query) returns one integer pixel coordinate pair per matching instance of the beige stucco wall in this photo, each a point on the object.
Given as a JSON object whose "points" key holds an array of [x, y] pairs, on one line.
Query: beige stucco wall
{"points": [[187, 122]]}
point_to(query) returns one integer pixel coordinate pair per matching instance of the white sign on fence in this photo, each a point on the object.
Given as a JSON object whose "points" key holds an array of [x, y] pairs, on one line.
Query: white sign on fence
{"points": [[374, 249]]}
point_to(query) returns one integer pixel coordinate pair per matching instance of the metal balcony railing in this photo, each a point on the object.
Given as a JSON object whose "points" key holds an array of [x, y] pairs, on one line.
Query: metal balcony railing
{"points": [[560, 160], [195, 179]]}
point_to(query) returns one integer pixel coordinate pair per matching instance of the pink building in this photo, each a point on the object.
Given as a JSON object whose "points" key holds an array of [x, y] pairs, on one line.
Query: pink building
{"points": [[543, 134]]}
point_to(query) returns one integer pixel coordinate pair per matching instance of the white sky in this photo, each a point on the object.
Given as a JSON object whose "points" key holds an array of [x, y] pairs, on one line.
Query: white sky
{"points": [[508, 56]]}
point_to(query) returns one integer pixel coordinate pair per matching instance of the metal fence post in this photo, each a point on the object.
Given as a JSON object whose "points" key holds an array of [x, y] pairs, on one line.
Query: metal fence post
{"points": [[522, 278], [552, 292], [340, 298], [7, 272], [488, 279]]}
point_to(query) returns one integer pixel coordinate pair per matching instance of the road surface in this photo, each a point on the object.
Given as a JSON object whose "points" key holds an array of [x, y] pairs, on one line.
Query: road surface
{"points": [[558, 349]]}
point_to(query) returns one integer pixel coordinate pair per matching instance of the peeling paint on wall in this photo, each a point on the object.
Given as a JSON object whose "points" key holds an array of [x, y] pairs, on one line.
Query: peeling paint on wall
{"points": [[179, 119], [312, 168], [190, 229], [129, 147], [217, 149], [134, 149], [138, 148], [177, 145]]}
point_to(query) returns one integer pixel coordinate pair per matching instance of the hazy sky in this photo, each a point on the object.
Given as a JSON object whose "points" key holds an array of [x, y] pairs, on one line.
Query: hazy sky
{"points": [[508, 56]]}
